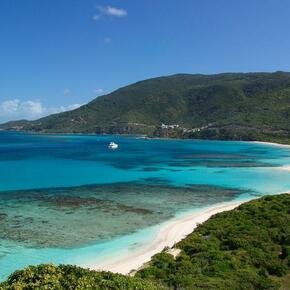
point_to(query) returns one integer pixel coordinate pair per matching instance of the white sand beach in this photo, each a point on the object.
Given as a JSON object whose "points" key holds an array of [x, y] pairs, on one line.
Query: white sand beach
{"points": [[285, 167], [169, 234], [272, 143]]}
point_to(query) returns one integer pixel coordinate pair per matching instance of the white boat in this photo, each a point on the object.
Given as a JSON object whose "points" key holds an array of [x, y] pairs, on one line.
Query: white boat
{"points": [[113, 145]]}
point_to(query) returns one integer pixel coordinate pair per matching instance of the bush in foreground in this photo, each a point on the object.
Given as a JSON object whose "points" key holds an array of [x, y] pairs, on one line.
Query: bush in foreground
{"points": [[66, 277]]}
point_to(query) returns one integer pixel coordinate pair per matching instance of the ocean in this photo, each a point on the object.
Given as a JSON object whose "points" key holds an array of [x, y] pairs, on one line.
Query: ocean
{"points": [[70, 199]]}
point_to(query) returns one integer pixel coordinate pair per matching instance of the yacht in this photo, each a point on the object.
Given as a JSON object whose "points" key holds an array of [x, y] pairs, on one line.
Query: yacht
{"points": [[113, 145]]}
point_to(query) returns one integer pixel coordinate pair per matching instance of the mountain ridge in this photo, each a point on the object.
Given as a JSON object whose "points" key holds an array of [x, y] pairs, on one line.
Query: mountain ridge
{"points": [[228, 106]]}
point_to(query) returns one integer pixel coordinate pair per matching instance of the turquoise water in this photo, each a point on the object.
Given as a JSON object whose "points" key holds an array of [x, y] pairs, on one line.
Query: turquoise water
{"points": [[69, 199]]}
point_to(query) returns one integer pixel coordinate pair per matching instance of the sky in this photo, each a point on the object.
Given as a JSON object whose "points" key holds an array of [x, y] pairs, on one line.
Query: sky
{"points": [[56, 55]]}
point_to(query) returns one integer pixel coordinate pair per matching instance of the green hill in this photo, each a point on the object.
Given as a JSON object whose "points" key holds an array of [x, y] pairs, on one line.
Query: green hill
{"points": [[247, 248], [250, 106]]}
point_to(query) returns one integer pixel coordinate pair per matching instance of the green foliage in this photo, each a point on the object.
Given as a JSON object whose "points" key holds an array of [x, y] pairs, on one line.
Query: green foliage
{"points": [[243, 249], [65, 277], [253, 106]]}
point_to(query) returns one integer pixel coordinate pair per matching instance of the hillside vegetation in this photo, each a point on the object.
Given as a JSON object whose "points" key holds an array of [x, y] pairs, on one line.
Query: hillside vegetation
{"points": [[251, 106], [247, 248], [244, 249]]}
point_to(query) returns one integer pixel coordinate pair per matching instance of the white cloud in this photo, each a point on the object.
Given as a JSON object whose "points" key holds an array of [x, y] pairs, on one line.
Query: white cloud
{"points": [[99, 91], [113, 11], [10, 106], [96, 17], [66, 92], [110, 11], [64, 108], [15, 109]]}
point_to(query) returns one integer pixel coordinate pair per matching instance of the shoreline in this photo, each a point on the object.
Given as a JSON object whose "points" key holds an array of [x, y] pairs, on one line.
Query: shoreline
{"points": [[144, 136], [271, 143], [168, 235], [284, 167]]}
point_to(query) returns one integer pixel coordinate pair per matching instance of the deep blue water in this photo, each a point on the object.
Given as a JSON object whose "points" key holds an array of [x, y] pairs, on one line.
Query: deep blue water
{"points": [[69, 199]]}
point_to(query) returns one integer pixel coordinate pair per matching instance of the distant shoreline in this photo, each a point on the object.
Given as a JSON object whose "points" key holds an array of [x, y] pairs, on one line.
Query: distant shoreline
{"points": [[271, 143], [285, 167], [142, 136]]}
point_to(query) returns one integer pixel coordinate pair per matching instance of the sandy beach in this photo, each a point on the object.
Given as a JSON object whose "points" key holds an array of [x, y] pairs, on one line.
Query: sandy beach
{"points": [[286, 167], [169, 234], [272, 143]]}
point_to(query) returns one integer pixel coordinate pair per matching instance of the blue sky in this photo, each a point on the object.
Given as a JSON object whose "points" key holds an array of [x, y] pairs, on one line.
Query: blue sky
{"points": [[57, 54]]}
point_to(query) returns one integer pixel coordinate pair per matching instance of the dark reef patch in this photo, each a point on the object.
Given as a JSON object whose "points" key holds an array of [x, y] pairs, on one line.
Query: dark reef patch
{"points": [[214, 156], [137, 210], [149, 169], [218, 163], [156, 180], [74, 216]]}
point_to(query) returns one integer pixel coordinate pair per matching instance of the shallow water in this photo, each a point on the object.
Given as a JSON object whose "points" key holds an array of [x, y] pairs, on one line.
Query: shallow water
{"points": [[69, 199]]}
